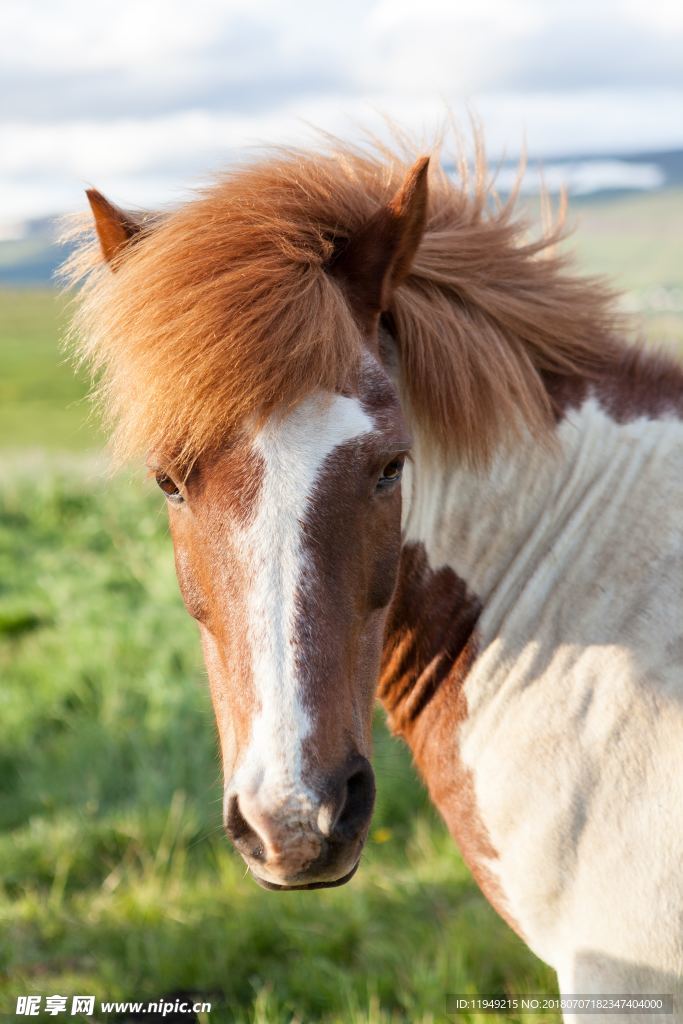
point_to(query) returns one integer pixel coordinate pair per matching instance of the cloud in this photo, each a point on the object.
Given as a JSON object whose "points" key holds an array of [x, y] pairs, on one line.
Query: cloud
{"points": [[146, 94], [149, 58]]}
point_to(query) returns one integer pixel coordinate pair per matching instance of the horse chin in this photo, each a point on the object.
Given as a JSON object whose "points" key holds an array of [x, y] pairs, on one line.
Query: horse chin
{"points": [[332, 884]]}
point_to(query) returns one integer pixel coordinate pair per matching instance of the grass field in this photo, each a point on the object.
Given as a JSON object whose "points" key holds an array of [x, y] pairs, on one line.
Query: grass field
{"points": [[115, 879], [42, 400]]}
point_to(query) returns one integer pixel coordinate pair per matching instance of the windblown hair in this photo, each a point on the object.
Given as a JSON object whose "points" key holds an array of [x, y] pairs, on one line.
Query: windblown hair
{"points": [[224, 309]]}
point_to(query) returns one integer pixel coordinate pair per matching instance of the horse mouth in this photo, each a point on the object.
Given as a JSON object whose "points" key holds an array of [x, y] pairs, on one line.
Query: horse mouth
{"points": [[332, 884]]}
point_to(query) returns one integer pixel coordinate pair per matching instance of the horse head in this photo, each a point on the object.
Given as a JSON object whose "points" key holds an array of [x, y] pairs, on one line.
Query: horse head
{"points": [[287, 541]]}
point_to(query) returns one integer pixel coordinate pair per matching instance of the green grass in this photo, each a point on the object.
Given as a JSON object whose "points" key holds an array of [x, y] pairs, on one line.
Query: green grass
{"points": [[636, 242], [42, 399], [115, 879]]}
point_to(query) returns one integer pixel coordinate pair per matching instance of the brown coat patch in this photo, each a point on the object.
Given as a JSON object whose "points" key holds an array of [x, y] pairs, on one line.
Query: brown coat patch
{"points": [[221, 496], [632, 383], [352, 543], [430, 645]]}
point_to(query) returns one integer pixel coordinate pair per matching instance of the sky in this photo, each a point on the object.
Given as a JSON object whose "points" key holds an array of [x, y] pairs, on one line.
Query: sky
{"points": [[147, 98]]}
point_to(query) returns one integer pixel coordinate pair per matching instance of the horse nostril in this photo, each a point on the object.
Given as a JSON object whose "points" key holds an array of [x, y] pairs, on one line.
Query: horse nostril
{"points": [[245, 838], [358, 803]]}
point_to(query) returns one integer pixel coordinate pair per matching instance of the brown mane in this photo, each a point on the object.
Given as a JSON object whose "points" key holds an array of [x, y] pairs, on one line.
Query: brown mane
{"points": [[223, 309]]}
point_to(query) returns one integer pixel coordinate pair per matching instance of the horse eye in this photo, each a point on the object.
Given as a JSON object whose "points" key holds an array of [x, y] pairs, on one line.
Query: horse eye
{"points": [[391, 473], [169, 488]]}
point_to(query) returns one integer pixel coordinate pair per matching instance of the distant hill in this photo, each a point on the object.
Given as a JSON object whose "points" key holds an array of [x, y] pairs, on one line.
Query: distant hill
{"points": [[31, 256], [670, 161]]}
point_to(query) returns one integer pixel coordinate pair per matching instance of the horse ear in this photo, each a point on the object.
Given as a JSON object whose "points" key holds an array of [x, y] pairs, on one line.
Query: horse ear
{"points": [[379, 257], [115, 228]]}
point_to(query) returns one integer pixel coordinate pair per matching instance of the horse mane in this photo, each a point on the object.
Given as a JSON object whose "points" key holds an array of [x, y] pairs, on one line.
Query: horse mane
{"points": [[223, 308]]}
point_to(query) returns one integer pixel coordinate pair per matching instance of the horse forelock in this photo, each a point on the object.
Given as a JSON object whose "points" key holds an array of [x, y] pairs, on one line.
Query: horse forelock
{"points": [[224, 309]]}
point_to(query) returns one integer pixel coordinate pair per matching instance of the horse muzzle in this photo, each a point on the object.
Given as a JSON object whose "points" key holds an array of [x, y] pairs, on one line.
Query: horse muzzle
{"points": [[306, 840]]}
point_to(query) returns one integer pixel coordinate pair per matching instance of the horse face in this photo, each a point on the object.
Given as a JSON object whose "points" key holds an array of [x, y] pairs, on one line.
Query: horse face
{"points": [[287, 547]]}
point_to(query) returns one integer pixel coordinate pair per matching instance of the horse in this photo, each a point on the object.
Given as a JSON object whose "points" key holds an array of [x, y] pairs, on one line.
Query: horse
{"points": [[408, 451]]}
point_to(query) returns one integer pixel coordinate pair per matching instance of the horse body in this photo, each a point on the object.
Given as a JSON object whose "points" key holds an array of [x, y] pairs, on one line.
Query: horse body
{"points": [[565, 726], [277, 348]]}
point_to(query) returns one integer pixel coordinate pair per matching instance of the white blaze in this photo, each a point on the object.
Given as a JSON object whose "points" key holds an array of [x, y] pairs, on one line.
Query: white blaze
{"points": [[293, 449]]}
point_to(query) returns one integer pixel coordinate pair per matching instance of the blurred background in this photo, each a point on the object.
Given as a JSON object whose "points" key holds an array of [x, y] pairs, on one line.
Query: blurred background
{"points": [[115, 879]]}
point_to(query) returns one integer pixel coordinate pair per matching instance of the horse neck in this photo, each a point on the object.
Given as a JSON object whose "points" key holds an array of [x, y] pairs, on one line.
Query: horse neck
{"points": [[462, 531], [488, 547], [472, 541], [491, 525]]}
